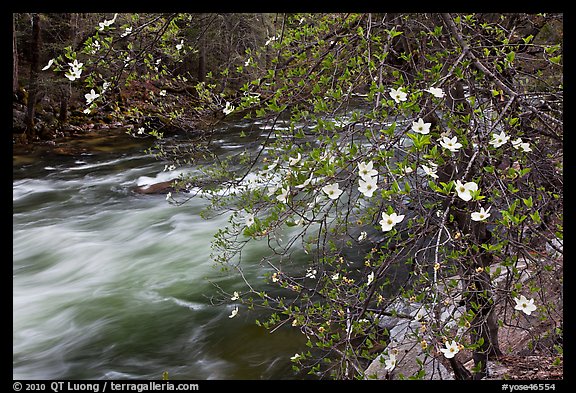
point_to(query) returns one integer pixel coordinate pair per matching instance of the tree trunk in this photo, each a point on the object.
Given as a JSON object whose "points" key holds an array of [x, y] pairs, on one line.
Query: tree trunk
{"points": [[65, 91], [478, 292], [34, 71], [202, 51], [14, 57]]}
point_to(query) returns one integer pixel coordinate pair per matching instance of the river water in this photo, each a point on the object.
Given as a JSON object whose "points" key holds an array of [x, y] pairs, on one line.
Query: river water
{"points": [[110, 284]]}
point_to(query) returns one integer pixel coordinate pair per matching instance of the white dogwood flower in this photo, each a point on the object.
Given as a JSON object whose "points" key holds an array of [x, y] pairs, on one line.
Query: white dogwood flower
{"points": [[398, 95], [332, 190], [229, 108], [518, 144], [465, 190], [91, 96], [48, 65], [388, 221], [390, 363], [524, 305], [370, 278], [499, 139], [283, 195], [430, 170], [367, 186], [421, 127], [249, 219], [436, 92], [107, 23], [295, 160], [481, 215], [311, 273], [366, 170], [451, 349], [451, 144]]}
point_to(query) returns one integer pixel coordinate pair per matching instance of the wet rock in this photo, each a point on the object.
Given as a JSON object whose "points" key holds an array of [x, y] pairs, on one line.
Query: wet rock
{"points": [[157, 188]]}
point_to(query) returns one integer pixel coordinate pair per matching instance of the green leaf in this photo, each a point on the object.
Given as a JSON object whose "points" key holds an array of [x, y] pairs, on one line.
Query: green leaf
{"points": [[527, 39], [556, 59], [510, 57]]}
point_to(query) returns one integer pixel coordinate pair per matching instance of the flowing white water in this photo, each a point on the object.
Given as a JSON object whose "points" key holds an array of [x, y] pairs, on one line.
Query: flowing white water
{"points": [[109, 284]]}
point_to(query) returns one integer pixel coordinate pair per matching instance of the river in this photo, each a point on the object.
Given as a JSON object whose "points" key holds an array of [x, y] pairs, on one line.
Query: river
{"points": [[110, 284]]}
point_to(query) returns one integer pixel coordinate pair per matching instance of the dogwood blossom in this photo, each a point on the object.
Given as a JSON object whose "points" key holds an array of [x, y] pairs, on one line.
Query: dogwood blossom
{"points": [[95, 47], [398, 95], [126, 32], [524, 305], [180, 45], [91, 96], [366, 170], [390, 363], [451, 349], [421, 127], [367, 186], [362, 236], [464, 190], [229, 108], [389, 220], [481, 215], [234, 313], [235, 296], [451, 144], [335, 276], [430, 170], [370, 278], [311, 273], [283, 195], [295, 357], [107, 23], [295, 160], [48, 65], [518, 144], [499, 139], [306, 182], [75, 70], [249, 219], [436, 92], [332, 190]]}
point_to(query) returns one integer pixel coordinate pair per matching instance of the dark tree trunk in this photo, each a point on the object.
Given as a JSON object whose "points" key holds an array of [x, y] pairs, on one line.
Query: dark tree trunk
{"points": [[14, 57], [63, 113], [34, 71], [202, 51], [65, 92], [478, 293]]}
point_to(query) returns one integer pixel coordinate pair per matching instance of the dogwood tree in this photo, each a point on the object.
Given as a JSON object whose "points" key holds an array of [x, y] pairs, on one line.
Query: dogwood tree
{"points": [[388, 177]]}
